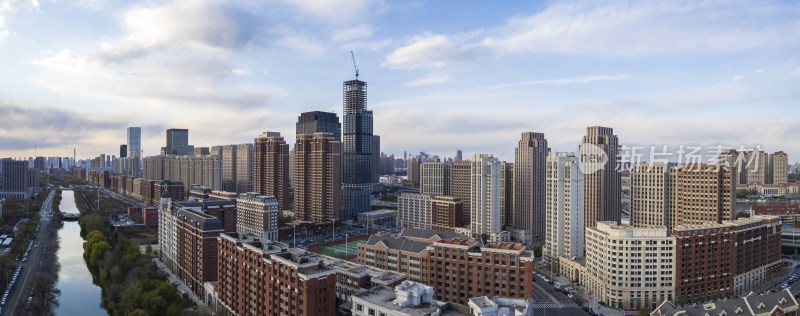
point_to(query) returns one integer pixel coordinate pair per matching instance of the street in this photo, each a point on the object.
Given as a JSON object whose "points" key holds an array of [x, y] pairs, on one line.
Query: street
{"points": [[23, 287], [548, 299]]}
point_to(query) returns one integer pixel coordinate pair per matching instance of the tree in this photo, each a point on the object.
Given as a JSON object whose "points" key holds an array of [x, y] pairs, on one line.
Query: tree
{"points": [[742, 214], [148, 249], [644, 312]]}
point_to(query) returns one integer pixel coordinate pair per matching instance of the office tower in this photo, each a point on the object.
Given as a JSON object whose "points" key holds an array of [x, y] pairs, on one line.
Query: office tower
{"points": [[178, 142], [198, 151], [602, 188], [485, 195], [134, 141], [704, 193], [461, 187], [778, 168], [447, 214], [39, 163], [319, 122], [652, 194], [271, 168], [123, 151], [563, 208], [16, 177], [757, 165], [434, 178], [376, 158], [257, 215], [357, 143], [244, 168], [317, 182], [413, 171], [229, 163], [458, 155], [529, 167]]}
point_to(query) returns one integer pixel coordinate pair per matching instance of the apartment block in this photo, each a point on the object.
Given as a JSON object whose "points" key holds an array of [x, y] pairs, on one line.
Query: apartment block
{"points": [[757, 166], [434, 178], [413, 171], [196, 248], [564, 229], [415, 211], [447, 213], [271, 168], [459, 269], [257, 215], [461, 187], [778, 168], [652, 193], [317, 176], [485, 183], [404, 253], [703, 193], [258, 277], [602, 188]]}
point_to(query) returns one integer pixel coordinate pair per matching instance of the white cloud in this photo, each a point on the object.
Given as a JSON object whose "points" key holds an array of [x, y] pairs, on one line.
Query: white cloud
{"points": [[737, 77], [563, 81], [611, 28], [241, 71], [430, 51], [431, 78], [9, 7]]}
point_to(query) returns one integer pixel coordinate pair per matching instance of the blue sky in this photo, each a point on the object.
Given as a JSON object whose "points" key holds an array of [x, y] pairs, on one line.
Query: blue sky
{"points": [[442, 75]]}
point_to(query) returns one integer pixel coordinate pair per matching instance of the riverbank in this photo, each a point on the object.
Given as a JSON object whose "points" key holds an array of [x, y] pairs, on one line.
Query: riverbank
{"points": [[130, 282]]}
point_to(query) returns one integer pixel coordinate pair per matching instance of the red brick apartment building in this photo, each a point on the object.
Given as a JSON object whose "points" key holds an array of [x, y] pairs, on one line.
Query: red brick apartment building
{"points": [[716, 261], [196, 252], [260, 277], [459, 269]]}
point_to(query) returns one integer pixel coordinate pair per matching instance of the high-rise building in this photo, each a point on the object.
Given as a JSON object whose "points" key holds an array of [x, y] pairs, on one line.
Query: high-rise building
{"points": [[529, 182], [135, 142], [778, 168], [376, 159], [17, 178], [652, 194], [458, 155], [229, 163], [357, 143], [757, 166], [461, 187], [507, 203], [257, 215], [198, 151], [178, 142], [319, 122], [244, 168], [317, 163], [485, 186], [271, 168], [563, 208], [434, 178], [196, 248], [413, 171], [123, 151], [602, 192], [703, 193]]}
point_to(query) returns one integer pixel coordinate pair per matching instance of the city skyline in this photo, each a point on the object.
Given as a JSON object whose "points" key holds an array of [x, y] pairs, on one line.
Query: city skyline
{"points": [[431, 80]]}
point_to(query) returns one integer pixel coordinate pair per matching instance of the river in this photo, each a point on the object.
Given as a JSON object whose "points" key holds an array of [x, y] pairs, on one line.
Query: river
{"points": [[79, 296]]}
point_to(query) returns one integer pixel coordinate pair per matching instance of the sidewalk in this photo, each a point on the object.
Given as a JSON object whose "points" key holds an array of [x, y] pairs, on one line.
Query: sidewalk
{"points": [[171, 278]]}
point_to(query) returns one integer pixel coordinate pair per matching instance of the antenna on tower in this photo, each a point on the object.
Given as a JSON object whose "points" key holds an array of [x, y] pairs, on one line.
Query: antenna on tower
{"points": [[354, 63]]}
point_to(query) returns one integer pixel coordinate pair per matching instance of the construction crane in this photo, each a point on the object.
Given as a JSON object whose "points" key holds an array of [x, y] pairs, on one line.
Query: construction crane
{"points": [[354, 63]]}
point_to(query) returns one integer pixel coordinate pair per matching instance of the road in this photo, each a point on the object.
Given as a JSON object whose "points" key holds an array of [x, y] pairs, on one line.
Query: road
{"points": [[547, 299], [18, 297]]}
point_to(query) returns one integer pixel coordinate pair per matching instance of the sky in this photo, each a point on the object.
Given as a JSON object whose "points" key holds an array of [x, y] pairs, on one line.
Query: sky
{"points": [[442, 75]]}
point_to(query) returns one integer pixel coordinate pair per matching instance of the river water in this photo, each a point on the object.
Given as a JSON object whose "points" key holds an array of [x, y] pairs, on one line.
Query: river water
{"points": [[79, 296]]}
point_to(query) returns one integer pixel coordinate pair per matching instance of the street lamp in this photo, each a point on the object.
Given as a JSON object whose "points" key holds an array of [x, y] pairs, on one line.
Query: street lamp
{"points": [[345, 246]]}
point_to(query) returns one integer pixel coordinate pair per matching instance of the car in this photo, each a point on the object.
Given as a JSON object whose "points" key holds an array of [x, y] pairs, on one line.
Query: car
{"points": [[784, 285], [557, 287], [30, 299], [24, 259], [570, 296], [175, 283]]}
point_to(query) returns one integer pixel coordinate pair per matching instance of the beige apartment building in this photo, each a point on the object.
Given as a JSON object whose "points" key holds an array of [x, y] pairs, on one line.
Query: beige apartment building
{"points": [[653, 194], [434, 178], [271, 168], [778, 168], [564, 227], [460, 186], [602, 187], [529, 186], [703, 193]]}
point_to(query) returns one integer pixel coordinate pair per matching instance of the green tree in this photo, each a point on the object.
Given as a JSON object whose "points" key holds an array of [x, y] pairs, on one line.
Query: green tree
{"points": [[98, 252], [148, 249]]}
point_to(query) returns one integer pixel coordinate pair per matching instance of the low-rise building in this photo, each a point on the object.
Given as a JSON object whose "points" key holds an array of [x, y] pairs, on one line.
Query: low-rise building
{"points": [[382, 218], [403, 253], [406, 299], [769, 304]]}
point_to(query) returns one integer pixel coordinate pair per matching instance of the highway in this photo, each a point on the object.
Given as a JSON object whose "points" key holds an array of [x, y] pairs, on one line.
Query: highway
{"points": [[18, 297]]}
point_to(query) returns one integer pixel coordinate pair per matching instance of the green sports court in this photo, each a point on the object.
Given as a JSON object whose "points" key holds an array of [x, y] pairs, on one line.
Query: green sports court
{"points": [[339, 250]]}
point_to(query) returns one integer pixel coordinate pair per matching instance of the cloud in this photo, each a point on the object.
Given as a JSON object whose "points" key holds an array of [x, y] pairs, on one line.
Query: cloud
{"points": [[332, 11], [431, 51], [737, 77], [9, 8], [563, 81], [431, 78], [618, 28]]}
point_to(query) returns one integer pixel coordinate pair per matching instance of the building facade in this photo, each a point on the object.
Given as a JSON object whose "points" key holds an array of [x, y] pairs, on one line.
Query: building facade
{"points": [[415, 211], [357, 153], [317, 170], [178, 142], [602, 188], [271, 168], [485, 213], [447, 213], [652, 194], [461, 187], [257, 215], [434, 178], [196, 248], [309, 123], [703, 193], [564, 227], [529, 185]]}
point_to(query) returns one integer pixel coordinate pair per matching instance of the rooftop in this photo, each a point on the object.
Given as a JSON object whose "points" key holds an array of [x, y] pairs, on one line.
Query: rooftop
{"points": [[752, 304]]}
